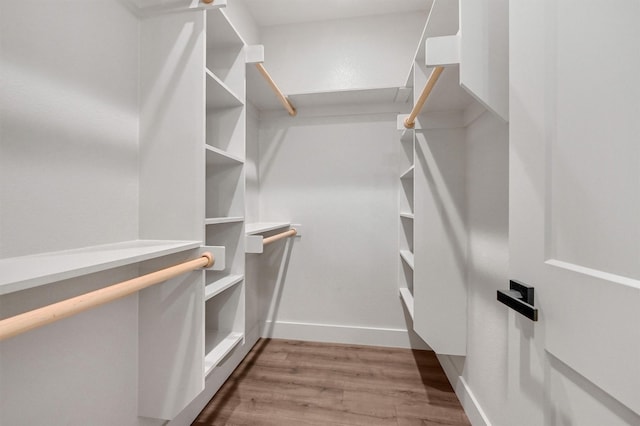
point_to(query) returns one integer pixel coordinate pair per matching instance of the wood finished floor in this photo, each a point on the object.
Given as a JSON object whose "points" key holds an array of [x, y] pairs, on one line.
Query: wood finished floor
{"points": [[285, 382]]}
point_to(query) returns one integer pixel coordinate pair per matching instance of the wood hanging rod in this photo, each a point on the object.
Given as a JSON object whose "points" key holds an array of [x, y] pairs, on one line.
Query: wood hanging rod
{"points": [[46, 315], [281, 96], [410, 121], [290, 233]]}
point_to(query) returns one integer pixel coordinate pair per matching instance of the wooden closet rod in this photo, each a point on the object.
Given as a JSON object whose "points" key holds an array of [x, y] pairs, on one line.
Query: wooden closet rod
{"points": [[42, 316], [290, 233], [283, 99], [410, 121]]}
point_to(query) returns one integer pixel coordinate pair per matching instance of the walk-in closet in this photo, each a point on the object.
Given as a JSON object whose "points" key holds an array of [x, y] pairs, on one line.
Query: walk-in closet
{"points": [[293, 212]]}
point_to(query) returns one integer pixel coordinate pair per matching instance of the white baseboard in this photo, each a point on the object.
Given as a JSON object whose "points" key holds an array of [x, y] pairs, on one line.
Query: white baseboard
{"points": [[215, 380], [472, 408], [327, 333]]}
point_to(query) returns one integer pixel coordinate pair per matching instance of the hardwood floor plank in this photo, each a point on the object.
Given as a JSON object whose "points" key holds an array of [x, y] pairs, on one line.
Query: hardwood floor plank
{"points": [[283, 382]]}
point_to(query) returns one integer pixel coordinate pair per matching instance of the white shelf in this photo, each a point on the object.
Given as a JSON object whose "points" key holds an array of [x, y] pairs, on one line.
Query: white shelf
{"points": [[262, 97], [407, 298], [259, 228], [217, 345], [220, 285], [217, 156], [219, 95], [408, 174], [20, 273], [407, 256], [217, 220], [407, 215]]}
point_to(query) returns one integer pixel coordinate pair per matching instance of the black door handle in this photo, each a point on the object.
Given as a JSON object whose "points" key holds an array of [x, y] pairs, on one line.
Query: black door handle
{"points": [[520, 297]]}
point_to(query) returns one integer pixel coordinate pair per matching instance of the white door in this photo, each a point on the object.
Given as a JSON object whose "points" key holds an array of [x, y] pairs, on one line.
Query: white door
{"points": [[575, 182]]}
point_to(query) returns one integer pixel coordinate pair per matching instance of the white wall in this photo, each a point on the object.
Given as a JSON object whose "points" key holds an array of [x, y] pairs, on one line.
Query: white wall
{"points": [[69, 125], [338, 177], [347, 54], [487, 184]]}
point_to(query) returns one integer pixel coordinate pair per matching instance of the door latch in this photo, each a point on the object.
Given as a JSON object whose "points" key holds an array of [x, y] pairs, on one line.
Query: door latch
{"points": [[520, 298]]}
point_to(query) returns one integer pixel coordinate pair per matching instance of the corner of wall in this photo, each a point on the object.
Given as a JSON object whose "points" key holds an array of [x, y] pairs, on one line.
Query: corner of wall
{"points": [[471, 406]]}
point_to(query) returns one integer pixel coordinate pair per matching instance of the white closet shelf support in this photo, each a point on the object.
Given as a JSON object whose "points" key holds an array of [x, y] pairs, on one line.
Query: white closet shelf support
{"points": [[255, 243], [443, 51], [36, 318], [21, 273]]}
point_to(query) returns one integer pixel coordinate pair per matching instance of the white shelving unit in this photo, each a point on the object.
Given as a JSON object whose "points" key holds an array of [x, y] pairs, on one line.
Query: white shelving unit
{"points": [[431, 282], [225, 187], [405, 224], [106, 188]]}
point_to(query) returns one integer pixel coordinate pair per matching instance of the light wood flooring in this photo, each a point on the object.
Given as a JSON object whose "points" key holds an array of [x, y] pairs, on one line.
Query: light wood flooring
{"points": [[284, 382]]}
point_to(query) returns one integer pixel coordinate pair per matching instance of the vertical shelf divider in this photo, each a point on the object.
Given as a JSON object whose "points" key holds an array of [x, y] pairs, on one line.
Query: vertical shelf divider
{"points": [[225, 133]]}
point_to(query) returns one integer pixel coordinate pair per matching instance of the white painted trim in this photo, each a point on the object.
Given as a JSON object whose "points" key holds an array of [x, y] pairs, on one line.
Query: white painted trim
{"points": [[328, 333], [215, 381], [443, 51], [471, 406]]}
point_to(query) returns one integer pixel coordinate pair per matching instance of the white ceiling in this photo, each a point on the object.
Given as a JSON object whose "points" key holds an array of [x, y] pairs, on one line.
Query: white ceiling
{"points": [[279, 12]]}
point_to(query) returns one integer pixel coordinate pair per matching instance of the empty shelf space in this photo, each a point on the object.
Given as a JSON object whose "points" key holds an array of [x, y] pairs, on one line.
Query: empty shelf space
{"points": [[407, 298], [259, 228], [217, 156], [20, 273], [407, 256], [217, 220], [407, 215], [218, 286], [217, 345], [406, 135], [220, 31], [408, 174], [219, 95]]}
